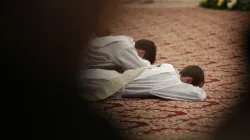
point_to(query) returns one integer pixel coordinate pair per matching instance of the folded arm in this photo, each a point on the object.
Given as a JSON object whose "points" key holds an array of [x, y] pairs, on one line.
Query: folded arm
{"points": [[180, 91], [129, 59]]}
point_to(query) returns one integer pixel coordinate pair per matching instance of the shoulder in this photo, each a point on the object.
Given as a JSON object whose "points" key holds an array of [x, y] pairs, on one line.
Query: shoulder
{"points": [[167, 67]]}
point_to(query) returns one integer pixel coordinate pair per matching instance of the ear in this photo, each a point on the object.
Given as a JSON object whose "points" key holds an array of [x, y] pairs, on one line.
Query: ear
{"points": [[189, 80], [201, 84], [141, 53]]}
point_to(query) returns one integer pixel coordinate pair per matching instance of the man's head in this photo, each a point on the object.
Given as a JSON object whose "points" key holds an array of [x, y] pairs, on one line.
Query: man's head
{"points": [[193, 75], [146, 49]]}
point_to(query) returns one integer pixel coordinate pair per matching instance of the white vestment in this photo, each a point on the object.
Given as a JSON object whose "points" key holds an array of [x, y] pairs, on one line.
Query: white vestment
{"points": [[110, 52], [163, 81]]}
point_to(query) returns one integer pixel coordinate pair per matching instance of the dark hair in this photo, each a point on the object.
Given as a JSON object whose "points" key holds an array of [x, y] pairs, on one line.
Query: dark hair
{"points": [[195, 72], [149, 47]]}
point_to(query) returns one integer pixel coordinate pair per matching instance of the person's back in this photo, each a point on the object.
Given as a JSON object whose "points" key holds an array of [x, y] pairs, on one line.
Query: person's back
{"points": [[102, 51], [115, 52]]}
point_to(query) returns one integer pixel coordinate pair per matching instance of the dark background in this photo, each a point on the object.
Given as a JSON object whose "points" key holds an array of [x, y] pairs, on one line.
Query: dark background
{"points": [[42, 43]]}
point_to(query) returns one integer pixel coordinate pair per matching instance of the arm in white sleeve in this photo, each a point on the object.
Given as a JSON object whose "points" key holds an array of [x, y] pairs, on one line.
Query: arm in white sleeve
{"points": [[146, 62], [180, 91], [129, 59]]}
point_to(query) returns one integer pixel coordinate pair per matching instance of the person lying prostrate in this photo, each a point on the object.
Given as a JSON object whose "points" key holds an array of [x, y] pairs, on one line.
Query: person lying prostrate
{"points": [[119, 52], [163, 81]]}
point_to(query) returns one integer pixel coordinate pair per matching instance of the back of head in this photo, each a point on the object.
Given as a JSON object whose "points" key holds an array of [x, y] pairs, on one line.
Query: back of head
{"points": [[149, 47], [195, 72]]}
